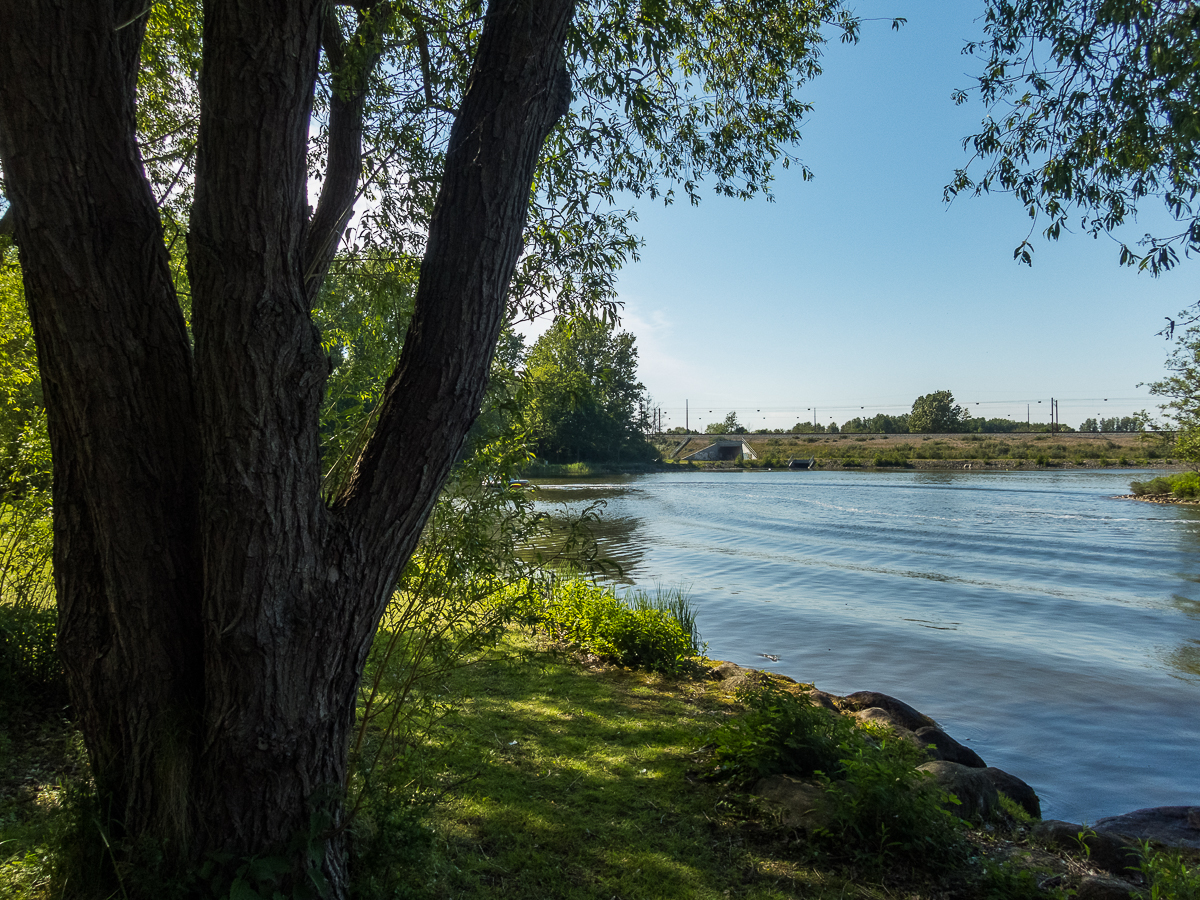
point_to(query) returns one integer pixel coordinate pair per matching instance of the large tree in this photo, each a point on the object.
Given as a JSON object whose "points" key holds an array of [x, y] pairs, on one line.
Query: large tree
{"points": [[935, 413], [215, 608], [585, 402]]}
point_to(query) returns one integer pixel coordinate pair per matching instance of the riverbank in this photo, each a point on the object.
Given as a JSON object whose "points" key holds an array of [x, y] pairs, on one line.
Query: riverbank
{"points": [[1032, 451], [559, 775], [569, 777]]}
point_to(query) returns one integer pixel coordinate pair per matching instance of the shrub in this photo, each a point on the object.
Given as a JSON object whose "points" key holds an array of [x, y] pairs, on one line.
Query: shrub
{"points": [[28, 660], [885, 808], [1158, 485], [881, 808], [891, 458], [656, 633], [782, 733], [1186, 485]]}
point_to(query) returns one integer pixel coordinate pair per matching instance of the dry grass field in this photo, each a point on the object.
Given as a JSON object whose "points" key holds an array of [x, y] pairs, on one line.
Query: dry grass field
{"points": [[936, 451]]}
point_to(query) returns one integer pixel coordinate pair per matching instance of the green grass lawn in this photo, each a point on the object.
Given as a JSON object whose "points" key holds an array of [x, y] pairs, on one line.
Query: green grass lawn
{"points": [[584, 784]]}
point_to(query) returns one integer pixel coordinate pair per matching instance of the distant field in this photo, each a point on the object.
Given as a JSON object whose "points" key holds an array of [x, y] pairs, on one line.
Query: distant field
{"points": [[1062, 450]]}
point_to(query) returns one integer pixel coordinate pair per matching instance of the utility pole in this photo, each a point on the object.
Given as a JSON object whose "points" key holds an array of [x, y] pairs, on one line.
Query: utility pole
{"points": [[687, 426]]}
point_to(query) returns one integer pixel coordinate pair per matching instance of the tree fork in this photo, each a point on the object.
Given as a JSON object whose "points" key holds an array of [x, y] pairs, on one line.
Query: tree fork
{"points": [[215, 615], [294, 591]]}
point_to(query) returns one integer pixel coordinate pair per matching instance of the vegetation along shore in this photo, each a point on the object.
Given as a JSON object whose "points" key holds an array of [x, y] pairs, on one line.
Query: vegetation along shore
{"points": [[932, 451], [591, 751]]}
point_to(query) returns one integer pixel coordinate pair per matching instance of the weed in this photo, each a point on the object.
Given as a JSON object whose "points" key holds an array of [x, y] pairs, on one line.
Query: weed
{"points": [[1001, 881], [886, 809], [882, 808], [1167, 876], [891, 459]]}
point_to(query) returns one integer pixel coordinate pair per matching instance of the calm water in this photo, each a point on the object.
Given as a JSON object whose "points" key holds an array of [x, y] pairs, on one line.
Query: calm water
{"points": [[1053, 628]]}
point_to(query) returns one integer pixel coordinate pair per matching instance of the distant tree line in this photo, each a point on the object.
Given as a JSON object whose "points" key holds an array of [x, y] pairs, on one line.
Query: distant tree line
{"points": [[934, 413]]}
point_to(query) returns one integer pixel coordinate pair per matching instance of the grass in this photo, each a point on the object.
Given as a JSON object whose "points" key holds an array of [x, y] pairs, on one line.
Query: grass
{"points": [[584, 784], [552, 777]]}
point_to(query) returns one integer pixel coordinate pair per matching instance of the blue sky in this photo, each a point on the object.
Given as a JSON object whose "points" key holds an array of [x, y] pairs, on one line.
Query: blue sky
{"points": [[860, 290]]}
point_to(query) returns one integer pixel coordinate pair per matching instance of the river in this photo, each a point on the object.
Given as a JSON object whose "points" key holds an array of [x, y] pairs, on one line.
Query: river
{"points": [[1048, 625]]}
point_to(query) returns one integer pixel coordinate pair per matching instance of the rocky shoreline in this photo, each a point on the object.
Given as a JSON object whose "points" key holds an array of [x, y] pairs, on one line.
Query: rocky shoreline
{"points": [[1165, 499], [1110, 844]]}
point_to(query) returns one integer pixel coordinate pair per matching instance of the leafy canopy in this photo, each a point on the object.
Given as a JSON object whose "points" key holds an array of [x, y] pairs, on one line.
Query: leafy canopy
{"points": [[584, 401], [935, 413], [1094, 106]]}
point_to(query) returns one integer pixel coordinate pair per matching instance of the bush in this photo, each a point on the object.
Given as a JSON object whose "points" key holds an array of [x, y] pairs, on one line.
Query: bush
{"points": [[656, 633], [28, 658], [1186, 485], [1158, 485], [895, 459], [885, 808], [882, 808], [782, 733]]}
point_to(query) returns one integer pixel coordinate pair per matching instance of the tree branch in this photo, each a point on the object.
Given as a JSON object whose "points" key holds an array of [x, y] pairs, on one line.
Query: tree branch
{"points": [[517, 91], [8, 222], [339, 190]]}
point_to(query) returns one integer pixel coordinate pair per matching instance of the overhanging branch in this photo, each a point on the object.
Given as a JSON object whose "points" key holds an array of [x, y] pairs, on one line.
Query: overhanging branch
{"points": [[351, 73]]}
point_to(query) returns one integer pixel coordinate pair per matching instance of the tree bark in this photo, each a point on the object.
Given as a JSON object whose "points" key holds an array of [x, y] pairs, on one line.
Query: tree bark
{"points": [[115, 368], [215, 615]]}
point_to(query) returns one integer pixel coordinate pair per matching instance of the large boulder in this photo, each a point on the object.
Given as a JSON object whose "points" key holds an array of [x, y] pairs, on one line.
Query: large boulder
{"points": [[876, 715], [1016, 790], [977, 797], [1175, 826], [907, 716], [801, 804], [947, 748], [1105, 850]]}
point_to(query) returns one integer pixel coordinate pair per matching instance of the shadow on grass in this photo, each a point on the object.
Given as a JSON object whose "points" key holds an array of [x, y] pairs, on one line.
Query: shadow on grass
{"points": [[582, 790]]}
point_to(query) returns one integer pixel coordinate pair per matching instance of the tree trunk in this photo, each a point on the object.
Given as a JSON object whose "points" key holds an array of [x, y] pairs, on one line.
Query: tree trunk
{"points": [[113, 354], [215, 615]]}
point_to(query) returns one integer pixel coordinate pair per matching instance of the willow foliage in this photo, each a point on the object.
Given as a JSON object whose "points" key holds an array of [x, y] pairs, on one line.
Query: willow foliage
{"points": [[1093, 107]]}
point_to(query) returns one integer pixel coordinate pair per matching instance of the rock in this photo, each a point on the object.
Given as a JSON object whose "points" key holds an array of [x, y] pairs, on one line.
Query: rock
{"points": [[1105, 850], [801, 803], [1175, 826], [727, 670], [822, 699], [1016, 790], [947, 748], [976, 794], [878, 716], [906, 715], [1095, 887]]}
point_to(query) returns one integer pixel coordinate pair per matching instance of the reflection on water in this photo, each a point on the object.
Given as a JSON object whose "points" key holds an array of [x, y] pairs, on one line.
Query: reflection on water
{"points": [[1031, 613], [1186, 659]]}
